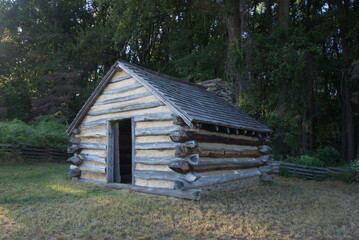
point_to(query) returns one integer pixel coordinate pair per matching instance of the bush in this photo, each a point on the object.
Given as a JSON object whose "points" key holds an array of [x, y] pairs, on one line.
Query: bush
{"points": [[305, 160], [329, 155], [47, 131], [354, 165]]}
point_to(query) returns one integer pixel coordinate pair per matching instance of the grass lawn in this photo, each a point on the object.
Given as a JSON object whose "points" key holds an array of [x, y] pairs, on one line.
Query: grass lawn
{"points": [[38, 201]]}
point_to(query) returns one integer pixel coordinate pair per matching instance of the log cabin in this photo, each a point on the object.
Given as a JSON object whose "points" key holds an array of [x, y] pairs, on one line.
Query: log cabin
{"points": [[152, 133]]}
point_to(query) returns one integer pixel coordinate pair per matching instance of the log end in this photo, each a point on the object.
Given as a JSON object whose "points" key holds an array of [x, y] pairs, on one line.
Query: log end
{"points": [[265, 178], [75, 160], [74, 172], [179, 166]]}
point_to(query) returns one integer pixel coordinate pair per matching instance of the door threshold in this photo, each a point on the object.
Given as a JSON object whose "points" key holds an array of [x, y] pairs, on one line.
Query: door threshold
{"points": [[119, 185]]}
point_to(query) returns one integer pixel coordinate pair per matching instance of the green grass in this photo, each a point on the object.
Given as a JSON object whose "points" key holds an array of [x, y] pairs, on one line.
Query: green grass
{"points": [[38, 201]]}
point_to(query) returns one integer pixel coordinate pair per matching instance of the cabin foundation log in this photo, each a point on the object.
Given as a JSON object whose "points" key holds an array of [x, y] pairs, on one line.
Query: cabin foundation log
{"points": [[74, 172], [265, 178], [191, 194], [211, 180]]}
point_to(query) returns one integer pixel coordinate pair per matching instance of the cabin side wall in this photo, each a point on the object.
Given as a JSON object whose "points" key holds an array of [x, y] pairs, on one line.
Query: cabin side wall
{"points": [[219, 156]]}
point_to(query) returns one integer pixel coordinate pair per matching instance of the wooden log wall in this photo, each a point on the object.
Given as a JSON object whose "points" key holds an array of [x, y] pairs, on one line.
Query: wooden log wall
{"points": [[123, 98], [213, 156]]}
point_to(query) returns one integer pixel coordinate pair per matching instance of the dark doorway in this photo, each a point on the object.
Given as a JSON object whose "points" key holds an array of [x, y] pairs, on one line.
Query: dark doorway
{"points": [[125, 150], [120, 152]]}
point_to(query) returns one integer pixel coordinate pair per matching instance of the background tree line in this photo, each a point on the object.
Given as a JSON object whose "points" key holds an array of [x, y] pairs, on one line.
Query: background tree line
{"points": [[293, 63]]}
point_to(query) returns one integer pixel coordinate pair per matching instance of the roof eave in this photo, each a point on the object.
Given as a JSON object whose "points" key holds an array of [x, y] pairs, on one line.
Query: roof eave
{"points": [[98, 90]]}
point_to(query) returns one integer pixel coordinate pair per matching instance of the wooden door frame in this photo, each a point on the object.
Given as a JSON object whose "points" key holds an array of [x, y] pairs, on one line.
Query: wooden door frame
{"points": [[112, 145]]}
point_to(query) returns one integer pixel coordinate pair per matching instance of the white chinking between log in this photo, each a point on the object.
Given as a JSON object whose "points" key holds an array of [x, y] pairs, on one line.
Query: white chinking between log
{"points": [[190, 151]]}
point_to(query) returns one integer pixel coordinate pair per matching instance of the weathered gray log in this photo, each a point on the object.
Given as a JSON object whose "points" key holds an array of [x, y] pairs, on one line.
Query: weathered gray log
{"points": [[126, 98], [160, 175], [73, 149], [76, 131], [100, 146], [192, 194], [156, 145], [211, 180], [265, 158], [183, 136], [75, 160], [177, 120], [156, 160], [265, 169], [121, 78], [264, 149], [191, 144], [153, 117], [93, 168], [183, 166], [193, 159], [180, 166], [191, 176], [156, 130], [73, 172], [127, 108], [123, 89], [182, 151], [94, 134], [137, 118], [75, 140], [265, 178], [94, 158]]}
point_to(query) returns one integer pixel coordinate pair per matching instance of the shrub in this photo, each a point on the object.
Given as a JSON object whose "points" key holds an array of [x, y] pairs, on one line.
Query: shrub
{"points": [[354, 165], [48, 131], [305, 160], [329, 155]]}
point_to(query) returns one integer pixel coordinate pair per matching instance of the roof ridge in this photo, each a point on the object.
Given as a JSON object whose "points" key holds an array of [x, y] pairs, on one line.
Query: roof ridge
{"points": [[163, 75]]}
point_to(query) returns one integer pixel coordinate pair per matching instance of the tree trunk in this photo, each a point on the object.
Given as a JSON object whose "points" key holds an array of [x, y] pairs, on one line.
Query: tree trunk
{"points": [[346, 92], [283, 14]]}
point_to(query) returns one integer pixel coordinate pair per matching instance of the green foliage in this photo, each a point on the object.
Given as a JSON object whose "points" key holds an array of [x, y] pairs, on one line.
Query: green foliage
{"points": [[46, 131], [355, 165], [292, 78], [305, 160], [328, 154], [347, 175]]}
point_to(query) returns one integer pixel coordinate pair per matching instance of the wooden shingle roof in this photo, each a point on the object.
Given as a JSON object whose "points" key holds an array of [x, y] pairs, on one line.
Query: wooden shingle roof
{"points": [[192, 103]]}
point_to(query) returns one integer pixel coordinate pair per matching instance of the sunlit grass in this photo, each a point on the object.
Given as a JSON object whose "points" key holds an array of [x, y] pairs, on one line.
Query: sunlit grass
{"points": [[64, 189], [38, 201]]}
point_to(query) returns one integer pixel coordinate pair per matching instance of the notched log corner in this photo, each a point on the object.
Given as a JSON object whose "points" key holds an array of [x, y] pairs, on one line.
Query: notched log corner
{"points": [[75, 160], [191, 176], [264, 149], [179, 166], [74, 149], [74, 172], [265, 178], [265, 158], [191, 144], [193, 159], [76, 131], [177, 120], [75, 140]]}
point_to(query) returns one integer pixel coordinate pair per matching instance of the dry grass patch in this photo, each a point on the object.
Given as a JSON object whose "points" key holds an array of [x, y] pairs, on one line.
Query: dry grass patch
{"points": [[37, 201]]}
